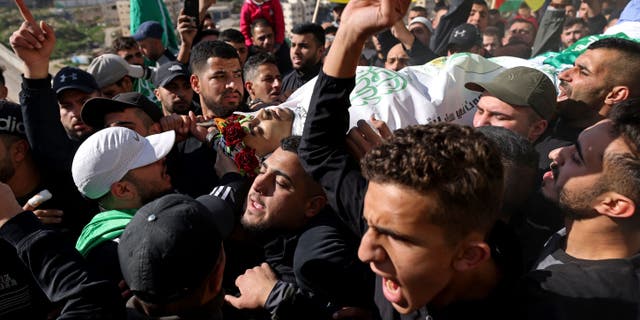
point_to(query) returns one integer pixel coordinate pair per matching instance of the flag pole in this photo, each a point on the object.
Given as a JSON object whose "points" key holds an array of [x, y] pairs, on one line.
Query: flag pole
{"points": [[315, 12]]}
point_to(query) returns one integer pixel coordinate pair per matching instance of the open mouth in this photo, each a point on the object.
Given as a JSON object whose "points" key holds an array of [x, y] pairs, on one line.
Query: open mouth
{"points": [[391, 290]]}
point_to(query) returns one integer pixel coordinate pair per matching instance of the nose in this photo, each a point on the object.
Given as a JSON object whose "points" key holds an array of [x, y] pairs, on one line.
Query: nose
{"points": [[262, 184], [277, 84], [481, 120], [231, 83], [370, 250], [566, 74], [556, 155]]}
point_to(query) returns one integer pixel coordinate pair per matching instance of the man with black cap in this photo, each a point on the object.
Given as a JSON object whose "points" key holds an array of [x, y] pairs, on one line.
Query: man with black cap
{"points": [[173, 89], [130, 110], [465, 38], [521, 99], [191, 163], [53, 142], [149, 37], [172, 259]]}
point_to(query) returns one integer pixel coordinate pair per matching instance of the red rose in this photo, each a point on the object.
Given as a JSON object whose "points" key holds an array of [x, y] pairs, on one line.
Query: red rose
{"points": [[233, 133], [247, 161]]}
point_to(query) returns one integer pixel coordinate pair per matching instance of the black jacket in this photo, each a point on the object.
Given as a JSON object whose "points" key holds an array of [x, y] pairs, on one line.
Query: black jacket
{"points": [[59, 270], [53, 152], [323, 154]]}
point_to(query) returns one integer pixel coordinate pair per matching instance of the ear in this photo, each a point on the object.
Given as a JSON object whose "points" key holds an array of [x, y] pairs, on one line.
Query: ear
{"points": [[195, 83], [155, 128], [19, 150], [127, 84], [617, 94], [248, 85], [156, 92], [537, 129], [615, 205], [314, 205], [472, 255], [123, 190], [3, 92]]}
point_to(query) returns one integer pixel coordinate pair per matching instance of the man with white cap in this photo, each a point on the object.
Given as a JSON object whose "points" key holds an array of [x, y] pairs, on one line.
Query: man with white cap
{"points": [[122, 171], [114, 75], [422, 29], [414, 41]]}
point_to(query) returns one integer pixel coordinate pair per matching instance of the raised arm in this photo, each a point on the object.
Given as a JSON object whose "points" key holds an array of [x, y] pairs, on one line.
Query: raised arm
{"points": [[323, 150]]}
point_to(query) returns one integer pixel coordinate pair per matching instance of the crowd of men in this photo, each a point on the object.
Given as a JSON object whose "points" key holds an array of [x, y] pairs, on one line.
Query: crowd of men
{"points": [[528, 213]]}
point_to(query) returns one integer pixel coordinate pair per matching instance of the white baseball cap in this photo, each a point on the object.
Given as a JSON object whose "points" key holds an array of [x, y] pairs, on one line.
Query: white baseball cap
{"points": [[107, 155], [109, 68], [422, 20]]}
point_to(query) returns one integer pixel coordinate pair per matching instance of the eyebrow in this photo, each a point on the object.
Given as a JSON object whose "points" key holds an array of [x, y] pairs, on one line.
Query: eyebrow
{"points": [[583, 67], [279, 173], [119, 123], [394, 234]]}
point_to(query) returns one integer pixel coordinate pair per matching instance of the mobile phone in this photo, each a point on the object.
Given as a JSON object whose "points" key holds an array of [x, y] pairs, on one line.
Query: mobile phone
{"points": [[192, 9]]}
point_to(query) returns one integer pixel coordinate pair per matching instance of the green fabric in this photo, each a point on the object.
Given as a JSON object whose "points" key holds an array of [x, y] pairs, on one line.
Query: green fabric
{"points": [[510, 6], [146, 10], [568, 56], [105, 226], [145, 87]]}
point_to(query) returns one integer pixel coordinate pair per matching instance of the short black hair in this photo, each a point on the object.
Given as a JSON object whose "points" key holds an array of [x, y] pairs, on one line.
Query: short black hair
{"points": [[492, 31], [210, 49], [480, 2], [260, 23], [513, 147], [123, 43], [232, 35], [291, 143], [330, 30], [418, 9], [203, 33], [570, 22], [623, 70], [626, 121], [312, 28], [254, 62]]}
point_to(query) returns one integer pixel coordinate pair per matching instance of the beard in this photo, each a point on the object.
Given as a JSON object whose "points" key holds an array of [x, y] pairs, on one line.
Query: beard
{"points": [[7, 171], [218, 109], [578, 205]]}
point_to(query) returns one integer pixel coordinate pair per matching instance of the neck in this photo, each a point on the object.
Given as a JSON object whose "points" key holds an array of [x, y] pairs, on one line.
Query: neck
{"points": [[206, 112], [470, 285], [583, 122], [25, 179], [601, 238]]}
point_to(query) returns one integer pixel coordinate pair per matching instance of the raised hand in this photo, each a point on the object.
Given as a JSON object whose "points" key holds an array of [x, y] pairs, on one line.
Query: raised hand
{"points": [[34, 44], [367, 17], [360, 20]]}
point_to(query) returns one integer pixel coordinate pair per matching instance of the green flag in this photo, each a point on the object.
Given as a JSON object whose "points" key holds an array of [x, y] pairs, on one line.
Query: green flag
{"points": [[146, 10]]}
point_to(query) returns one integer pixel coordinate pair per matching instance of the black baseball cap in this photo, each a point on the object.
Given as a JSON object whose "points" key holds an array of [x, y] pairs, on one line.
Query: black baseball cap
{"points": [[172, 244], [11, 119], [74, 78], [95, 109], [465, 36], [169, 71]]}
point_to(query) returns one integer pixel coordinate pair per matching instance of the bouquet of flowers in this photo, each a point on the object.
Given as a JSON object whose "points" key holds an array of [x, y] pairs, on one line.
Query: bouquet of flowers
{"points": [[229, 140]]}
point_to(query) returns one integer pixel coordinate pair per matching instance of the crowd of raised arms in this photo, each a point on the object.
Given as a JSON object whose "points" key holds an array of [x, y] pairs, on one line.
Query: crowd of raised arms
{"points": [[162, 184]]}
